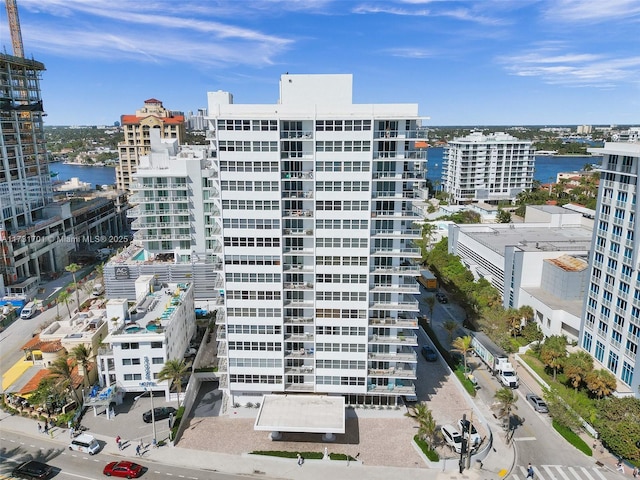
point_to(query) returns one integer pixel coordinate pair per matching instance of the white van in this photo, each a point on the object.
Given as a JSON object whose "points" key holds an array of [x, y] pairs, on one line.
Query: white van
{"points": [[85, 443], [98, 289], [28, 311]]}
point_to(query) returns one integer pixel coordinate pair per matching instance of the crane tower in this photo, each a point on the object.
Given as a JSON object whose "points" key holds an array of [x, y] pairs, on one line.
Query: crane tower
{"points": [[14, 27]]}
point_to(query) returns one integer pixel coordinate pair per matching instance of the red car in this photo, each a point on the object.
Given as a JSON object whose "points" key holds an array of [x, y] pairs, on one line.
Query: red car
{"points": [[123, 469]]}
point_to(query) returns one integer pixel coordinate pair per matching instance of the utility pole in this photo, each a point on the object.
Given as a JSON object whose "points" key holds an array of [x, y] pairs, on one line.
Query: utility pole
{"points": [[469, 445]]}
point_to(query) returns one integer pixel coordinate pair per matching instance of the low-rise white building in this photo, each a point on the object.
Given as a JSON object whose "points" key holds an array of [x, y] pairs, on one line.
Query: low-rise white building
{"points": [[540, 263], [142, 337]]}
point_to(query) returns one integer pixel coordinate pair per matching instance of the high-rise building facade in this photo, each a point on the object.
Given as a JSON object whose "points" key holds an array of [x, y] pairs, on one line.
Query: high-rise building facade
{"points": [[29, 227], [487, 168], [137, 140], [318, 228], [611, 321]]}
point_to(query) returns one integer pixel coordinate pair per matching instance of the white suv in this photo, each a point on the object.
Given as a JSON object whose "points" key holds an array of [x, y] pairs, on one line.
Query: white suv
{"points": [[452, 437], [475, 436]]}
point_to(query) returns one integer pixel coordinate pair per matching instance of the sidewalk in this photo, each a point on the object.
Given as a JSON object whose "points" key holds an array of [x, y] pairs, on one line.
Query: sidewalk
{"points": [[264, 466], [250, 465]]}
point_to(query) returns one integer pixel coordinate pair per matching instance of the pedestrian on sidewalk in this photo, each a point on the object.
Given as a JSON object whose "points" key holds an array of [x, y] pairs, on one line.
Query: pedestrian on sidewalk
{"points": [[119, 442], [529, 471], [51, 432], [138, 450], [46, 428], [39, 428], [71, 432], [620, 467], [300, 460], [635, 472]]}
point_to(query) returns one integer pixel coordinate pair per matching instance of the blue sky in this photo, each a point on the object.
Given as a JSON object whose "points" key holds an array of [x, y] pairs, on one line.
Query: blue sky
{"points": [[484, 62]]}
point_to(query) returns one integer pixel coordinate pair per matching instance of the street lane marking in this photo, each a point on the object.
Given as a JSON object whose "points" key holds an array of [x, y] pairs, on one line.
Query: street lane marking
{"points": [[597, 472], [548, 470], [524, 439]]}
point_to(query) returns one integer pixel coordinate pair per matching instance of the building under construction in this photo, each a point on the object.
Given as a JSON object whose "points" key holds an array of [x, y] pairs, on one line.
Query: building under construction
{"points": [[36, 233]]}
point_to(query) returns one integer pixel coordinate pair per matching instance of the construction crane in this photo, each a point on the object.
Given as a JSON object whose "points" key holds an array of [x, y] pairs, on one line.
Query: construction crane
{"points": [[14, 27]]}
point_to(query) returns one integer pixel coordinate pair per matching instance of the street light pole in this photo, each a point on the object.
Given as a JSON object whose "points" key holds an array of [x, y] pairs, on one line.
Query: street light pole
{"points": [[153, 418]]}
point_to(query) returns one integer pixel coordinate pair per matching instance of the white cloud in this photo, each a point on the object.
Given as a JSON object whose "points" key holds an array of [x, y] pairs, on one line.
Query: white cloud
{"points": [[592, 11], [574, 69]]}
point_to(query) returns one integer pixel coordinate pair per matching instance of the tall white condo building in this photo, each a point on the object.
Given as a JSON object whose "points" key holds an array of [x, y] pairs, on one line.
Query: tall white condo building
{"points": [[318, 227], [611, 321], [487, 168]]}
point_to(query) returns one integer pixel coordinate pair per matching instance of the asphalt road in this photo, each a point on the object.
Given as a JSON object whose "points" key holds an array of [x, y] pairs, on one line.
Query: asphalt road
{"points": [[535, 439], [73, 465]]}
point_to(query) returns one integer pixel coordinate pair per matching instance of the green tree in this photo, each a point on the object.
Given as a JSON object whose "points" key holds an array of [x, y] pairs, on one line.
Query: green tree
{"points": [[532, 333], [503, 216], [577, 366], [82, 355], [618, 422], [450, 326], [427, 427], [553, 353], [560, 411], [73, 268], [62, 370], [428, 229], [600, 383], [173, 371], [463, 346], [64, 297]]}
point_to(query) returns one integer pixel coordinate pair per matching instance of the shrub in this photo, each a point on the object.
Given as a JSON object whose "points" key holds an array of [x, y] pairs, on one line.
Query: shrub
{"points": [[283, 454], [431, 454], [249, 405], [341, 456]]}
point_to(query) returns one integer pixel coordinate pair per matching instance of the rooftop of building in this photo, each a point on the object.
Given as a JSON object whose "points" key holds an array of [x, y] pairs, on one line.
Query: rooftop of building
{"points": [[83, 325], [153, 312], [569, 263], [573, 307], [530, 237]]}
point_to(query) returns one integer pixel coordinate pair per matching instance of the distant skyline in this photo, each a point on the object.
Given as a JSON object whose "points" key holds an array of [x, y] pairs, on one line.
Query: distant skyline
{"points": [[466, 63]]}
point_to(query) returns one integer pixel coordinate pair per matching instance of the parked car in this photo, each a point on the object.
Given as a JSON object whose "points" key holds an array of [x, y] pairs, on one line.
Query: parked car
{"points": [[85, 443], [190, 352], [475, 436], [159, 413], [452, 437], [538, 403], [32, 469], [123, 469], [442, 298], [429, 354]]}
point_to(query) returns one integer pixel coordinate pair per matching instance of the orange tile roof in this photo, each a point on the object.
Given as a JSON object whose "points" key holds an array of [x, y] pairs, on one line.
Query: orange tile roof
{"points": [[32, 384], [153, 100], [134, 120], [44, 346]]}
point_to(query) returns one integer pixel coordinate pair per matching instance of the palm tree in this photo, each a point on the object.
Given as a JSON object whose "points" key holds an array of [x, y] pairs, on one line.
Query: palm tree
{"points": [[82, 356], [577, 366], [601, 383], [462, 345], [427, 426], [506, 403], [64, 296], [73, 268], [100, 273], [450, 326], [431, 303], [553, 353], [62, 370], [173, 370], [514, 321]]}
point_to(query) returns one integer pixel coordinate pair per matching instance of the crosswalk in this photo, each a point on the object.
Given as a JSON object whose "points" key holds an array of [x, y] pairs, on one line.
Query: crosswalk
{"points": [[558, 472]]}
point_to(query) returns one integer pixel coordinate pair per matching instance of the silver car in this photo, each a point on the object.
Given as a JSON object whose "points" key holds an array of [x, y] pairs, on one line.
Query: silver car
{"points": [[538, 403]]}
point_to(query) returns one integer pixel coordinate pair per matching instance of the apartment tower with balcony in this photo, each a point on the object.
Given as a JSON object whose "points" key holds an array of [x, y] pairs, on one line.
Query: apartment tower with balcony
{"points": [[487, 168], [137, 140], [611, 321], [316, 198]]}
